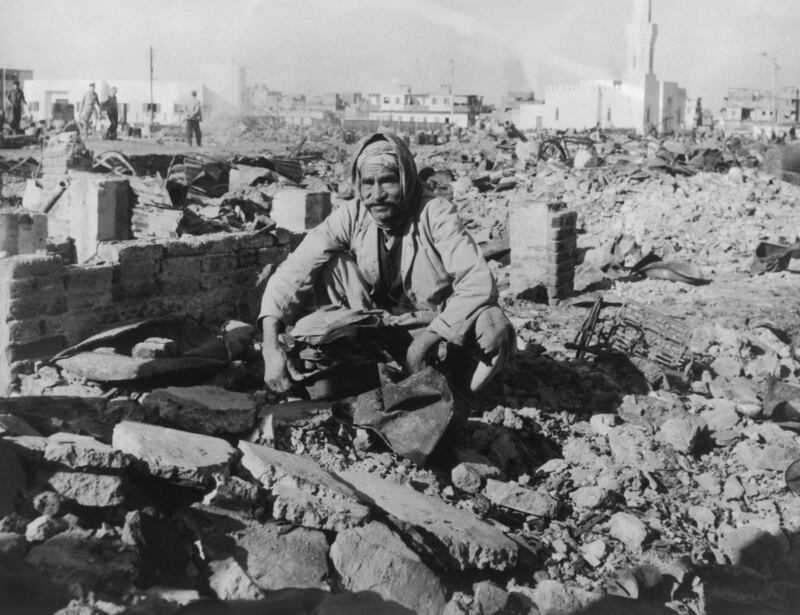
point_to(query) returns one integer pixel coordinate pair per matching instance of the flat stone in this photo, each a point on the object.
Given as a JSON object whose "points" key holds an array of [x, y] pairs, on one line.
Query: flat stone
{"points": [[11, 425], [96, 490], [471, 543], [754, 456], [44, 527], [594, 552], [632, 447], [684, 434], [589, 497], [528, 501], [274, 468], [274, 555], [12, 478], [320, 512], [374, 558], [204, 409], [703, 516], [628, 529], [173, 454], [721, 419], [79, 560], [471, 476], [229, 581], [83, 452]]}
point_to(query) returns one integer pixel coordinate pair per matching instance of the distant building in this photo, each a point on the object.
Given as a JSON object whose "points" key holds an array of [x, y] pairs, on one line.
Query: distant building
{"points": [[443, 108], [222, 90], [754, 106], [638, 101]]}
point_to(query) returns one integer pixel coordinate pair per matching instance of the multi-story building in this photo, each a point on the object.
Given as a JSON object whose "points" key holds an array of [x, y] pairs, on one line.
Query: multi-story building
{"points": [[407, 107], [752, 105]]}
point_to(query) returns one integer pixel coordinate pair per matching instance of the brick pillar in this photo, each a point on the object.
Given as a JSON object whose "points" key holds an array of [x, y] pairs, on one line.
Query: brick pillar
{"points": [[543, 241]]}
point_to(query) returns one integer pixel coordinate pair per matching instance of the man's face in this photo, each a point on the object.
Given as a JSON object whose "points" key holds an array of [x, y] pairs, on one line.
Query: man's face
{"points": [[381, 192]]}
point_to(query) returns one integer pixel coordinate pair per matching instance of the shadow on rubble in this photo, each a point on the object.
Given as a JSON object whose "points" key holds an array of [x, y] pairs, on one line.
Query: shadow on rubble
{"points": [[299, 601]]}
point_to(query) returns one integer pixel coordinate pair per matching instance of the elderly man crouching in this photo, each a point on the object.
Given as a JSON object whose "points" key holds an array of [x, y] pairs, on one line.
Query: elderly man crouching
{"points": [[395, 249]]}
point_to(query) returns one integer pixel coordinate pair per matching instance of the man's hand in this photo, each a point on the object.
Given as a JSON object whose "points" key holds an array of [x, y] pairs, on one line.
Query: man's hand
{"points": [[417, 355], [275, 375]]}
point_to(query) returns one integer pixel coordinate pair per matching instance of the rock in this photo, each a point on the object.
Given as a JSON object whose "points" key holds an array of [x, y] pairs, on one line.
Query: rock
{"points": [[11, 425], [235, 493], [528, 501], [471, 476], [48, 503], [684, 434], [602, 423], [13, 543], [79, 560], [710, 483], [155, 348], [172, 454], [551, 597], [305, 494], [374, 558], [44, 527], [732, 489], [727, 367], [754, 456], [89, 489], [703, 516], [324, 513], [628, 529], [491, 598], [721, 419], [12, 479], [204, 409], [164, 552], [470, 542], [275, 556], [594, 552], [83, 452], [229, 581], [632, 447], [589, 497]]}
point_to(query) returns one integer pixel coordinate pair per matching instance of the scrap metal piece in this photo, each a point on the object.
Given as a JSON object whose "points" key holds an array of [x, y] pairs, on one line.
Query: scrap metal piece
{"points": [[792, 477], [411, 416], [587, 331]]}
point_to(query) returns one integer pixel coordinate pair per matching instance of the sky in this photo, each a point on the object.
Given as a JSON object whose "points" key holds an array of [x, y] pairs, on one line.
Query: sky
{"points": [[485, 47]]}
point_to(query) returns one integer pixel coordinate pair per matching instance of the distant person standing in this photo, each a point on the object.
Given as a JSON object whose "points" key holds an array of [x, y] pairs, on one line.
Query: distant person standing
{"points": [[16, 99], [89, 106], [112, 111], [194, 115]]}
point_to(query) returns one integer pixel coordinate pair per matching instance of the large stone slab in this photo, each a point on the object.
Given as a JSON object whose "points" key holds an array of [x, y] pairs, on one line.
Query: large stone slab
{"points": [[83, 452], [89, 489], [470, 542], [374, 558], [173, 454], [275, 556], [517, 497], [305, 493], [204, 409]]}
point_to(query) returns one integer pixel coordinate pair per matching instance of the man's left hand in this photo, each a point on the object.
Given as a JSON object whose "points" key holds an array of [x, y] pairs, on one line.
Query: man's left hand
{"points": [[417, 355]]}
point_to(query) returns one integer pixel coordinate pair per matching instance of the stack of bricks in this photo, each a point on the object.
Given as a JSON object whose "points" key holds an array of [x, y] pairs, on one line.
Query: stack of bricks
{"points": [[64, 151], [543, 241], [46, 306]]}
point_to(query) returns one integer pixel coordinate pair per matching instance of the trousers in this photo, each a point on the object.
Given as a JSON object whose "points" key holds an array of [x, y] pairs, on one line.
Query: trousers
{"points": [[193, 127]]}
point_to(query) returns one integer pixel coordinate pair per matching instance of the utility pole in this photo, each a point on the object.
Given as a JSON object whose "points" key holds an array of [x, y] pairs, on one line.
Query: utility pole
{"points": [[775, 69], [452, 74], [152, 106]]}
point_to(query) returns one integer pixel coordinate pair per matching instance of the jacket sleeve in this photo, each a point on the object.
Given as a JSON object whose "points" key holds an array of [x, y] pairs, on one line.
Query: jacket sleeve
{"points": [[294, 279], [474, 287]]}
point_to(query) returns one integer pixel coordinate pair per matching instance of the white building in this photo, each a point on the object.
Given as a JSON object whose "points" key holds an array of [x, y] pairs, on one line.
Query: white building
{"points": [[222, 92], [638, 101], [443, 108]]}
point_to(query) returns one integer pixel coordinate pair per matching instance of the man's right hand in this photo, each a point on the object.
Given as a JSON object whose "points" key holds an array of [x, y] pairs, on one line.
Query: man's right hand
{"points": [[275, 374]]}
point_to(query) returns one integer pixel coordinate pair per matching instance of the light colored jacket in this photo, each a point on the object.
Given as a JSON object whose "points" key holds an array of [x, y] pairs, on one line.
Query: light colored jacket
{"points": [[443, 269]]}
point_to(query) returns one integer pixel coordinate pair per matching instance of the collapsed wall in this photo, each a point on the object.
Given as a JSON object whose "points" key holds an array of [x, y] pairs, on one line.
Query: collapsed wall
{"points": [[46, 306]]}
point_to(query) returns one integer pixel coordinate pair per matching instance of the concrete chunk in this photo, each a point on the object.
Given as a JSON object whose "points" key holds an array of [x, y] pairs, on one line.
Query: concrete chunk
{"points": [[96, 490], [322, 513], [298, 210], [528, 501], [173, 454], [204, 409], [373, 558], [229, 581], [470, 542], [82, 452]]}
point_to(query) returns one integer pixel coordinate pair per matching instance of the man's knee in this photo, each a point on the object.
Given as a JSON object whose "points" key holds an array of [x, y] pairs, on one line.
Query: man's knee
{"points": [[493, 331]]}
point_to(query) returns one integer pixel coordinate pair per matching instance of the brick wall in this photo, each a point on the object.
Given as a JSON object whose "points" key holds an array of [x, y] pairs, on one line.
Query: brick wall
{"points": [[46, 306]]}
